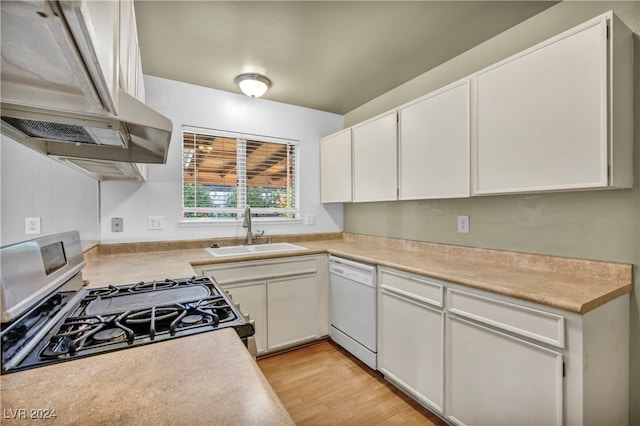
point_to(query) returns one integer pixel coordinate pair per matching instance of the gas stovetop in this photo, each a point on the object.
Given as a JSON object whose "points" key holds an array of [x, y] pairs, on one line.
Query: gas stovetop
{"points": [[105, 319]]}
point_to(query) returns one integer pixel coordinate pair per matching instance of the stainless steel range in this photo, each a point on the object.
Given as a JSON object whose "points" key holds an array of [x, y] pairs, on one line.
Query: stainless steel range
{"points": [[48, 316]]}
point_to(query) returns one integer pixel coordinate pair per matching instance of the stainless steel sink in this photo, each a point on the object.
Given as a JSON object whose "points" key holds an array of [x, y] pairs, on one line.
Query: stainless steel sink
{"points": [[253, 249]]}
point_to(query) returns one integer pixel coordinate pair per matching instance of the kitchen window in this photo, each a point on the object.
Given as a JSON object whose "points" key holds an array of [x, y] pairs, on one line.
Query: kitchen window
{"points": [[223, 172]]}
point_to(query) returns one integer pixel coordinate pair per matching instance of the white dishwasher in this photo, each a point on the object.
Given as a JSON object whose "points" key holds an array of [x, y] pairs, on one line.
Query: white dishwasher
{"points": [[353, 308]]}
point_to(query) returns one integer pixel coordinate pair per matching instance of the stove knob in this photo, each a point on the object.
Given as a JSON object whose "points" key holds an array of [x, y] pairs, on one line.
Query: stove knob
{"points": [[238, 306], [248, 317], [229, 294], [85, 282]]}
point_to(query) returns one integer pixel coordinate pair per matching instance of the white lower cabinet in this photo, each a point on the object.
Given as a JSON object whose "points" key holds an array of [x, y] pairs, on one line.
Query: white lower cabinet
{"points": [[496, 379], [471, 356], [411, 340], [286, 297], [412, 357], [291, 306], [479, 358], [252, 298]]}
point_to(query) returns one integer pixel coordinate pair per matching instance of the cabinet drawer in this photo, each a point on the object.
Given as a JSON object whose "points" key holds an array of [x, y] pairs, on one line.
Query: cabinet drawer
{"points": [[231, 273], [424, 289], [538, 325]]}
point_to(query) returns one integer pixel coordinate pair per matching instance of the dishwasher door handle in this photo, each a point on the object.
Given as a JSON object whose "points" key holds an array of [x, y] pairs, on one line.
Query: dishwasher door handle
{"points": [[333, 260]]}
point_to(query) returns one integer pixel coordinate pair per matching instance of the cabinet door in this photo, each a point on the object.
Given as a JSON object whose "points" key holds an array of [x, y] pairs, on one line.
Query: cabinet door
{"points": [[292, 306], [411, 347], [375, 155], [335, 167], [126, 35], [130, 64], [496, 379], [542, 116], [252, 298], [139, 80], [434, 145], [135, 63]]}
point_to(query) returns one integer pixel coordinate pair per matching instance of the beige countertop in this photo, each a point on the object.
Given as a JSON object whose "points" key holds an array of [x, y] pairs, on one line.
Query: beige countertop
{"points": [[574, 285], [129, 268], [138, 385], [208, 378]]}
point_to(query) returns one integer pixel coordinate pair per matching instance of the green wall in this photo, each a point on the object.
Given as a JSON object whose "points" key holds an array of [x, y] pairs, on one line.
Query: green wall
{"points": [[602, 225]]}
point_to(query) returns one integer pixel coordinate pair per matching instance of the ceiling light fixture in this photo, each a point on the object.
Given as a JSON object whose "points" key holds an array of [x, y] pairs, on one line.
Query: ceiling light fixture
{"points": [[253, 85]]}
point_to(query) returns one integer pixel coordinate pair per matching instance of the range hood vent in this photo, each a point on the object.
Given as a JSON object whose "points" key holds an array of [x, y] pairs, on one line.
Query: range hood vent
{"points": [[65, 132], [137, 135]]}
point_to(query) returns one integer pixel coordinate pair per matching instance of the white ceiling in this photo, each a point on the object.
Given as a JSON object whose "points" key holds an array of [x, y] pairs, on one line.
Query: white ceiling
{"points": [[327, 55]]}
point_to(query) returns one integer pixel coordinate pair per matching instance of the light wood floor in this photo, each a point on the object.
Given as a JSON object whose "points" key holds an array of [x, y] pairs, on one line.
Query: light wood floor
{"points": [[323, 384]]}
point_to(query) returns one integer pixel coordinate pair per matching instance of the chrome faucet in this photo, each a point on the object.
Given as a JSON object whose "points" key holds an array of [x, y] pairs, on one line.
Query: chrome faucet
{"points": [[247, 224]]}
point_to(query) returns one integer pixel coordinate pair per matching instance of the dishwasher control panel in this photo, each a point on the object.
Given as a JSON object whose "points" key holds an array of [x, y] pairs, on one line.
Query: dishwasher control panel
{"points": [[362, 277]]}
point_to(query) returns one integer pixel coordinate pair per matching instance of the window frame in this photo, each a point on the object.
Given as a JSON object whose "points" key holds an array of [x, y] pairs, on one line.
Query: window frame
{"points": [[256, 212]]}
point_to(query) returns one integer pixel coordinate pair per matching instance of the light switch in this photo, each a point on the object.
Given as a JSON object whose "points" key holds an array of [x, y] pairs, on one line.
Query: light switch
{"points": [[155, 222]]}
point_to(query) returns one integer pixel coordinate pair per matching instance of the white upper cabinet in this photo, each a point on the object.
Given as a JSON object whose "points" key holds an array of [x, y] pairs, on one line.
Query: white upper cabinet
{"points": [[557, 116], [434, 144], [375, 154], [130, 61], [126, 40], [140, 92], [335, 167]]}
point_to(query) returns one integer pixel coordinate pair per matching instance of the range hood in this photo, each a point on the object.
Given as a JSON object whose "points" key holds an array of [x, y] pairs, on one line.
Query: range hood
{"points": [[60, 99], [137, 134]]}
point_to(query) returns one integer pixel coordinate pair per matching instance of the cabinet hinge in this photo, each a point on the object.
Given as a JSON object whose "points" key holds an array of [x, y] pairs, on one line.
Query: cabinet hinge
{"points": [[608, 29], [563, 370]]}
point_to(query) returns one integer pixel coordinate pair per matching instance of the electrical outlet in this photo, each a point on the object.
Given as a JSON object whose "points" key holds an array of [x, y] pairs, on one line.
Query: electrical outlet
{"points": [[117, 224], [463, 224], [33, 225], [310, 219], [156, 222]]}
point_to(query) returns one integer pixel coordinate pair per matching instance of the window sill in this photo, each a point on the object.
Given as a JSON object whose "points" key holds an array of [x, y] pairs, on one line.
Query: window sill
{"points": [[229, 222]]}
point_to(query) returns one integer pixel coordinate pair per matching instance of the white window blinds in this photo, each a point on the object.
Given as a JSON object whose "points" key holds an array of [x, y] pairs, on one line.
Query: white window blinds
{"points": [[223, 172]]}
